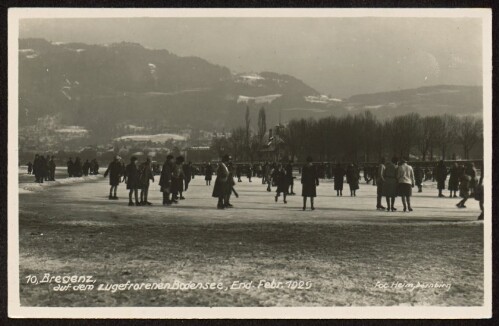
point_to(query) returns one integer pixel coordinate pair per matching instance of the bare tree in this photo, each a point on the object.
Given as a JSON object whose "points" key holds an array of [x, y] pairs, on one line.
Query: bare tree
{"points": [[447, 133], [262, 124], [469, 133]]}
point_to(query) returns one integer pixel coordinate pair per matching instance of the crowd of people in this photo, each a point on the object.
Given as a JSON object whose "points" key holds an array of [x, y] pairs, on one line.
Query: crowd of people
{"points": [[174, 180], [77, 169], [393, 179], [43, 168]]}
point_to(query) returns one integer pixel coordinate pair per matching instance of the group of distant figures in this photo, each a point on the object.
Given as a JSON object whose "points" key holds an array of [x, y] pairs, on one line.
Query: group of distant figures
{"points": [[77, 169], [43, 168]]}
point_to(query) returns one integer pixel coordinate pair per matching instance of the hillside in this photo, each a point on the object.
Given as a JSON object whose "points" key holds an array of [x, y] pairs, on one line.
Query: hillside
{"points": [[430, 100], [104, 88]]}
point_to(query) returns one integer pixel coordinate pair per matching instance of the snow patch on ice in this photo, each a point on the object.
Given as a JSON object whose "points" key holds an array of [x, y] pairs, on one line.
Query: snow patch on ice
{"points": [[25, 188]]}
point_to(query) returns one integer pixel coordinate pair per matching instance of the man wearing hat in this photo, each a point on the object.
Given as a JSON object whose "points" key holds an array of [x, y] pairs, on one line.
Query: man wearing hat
{"points": [[165, 181], [132, 181], [220, 190]]}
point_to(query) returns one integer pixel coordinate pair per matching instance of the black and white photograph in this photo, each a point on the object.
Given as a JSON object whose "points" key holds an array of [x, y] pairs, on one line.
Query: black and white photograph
{"points": [[250, 163]]}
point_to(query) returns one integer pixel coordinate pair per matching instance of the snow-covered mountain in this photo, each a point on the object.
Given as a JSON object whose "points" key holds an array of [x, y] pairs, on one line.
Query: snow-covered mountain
{"points": [[101, 87]]}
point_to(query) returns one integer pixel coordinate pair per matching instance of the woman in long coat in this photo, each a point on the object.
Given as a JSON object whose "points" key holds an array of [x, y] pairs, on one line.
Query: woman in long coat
{"points": [[390, 184], [309, 181], [353, 179], [220, 189], [282, 183], [339, 175]]}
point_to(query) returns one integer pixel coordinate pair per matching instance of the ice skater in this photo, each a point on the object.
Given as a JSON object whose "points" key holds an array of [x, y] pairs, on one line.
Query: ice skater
{"points": [[309, 181], [114, 172], [282, 182], [146, 175], [405, 179], [131, 178], [208, 174], [220, 189], [339, 175], [378, 178], [390, 184], [165, 180]]}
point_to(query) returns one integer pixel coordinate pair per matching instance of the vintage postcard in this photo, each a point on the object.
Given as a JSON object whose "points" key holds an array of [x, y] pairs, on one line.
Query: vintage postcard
{"points": [[249, 163]]}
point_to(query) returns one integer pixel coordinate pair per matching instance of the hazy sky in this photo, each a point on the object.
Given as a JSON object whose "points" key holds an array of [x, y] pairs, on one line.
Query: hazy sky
{"points": [[337, 56]]}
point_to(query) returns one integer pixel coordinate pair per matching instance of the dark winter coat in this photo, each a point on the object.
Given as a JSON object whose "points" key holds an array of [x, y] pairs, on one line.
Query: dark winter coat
{"points": [[339, 175], [454, 178], [309, 180], [208, 173], [132, 176], [440, 176], [114, 171], [353, 177], [165, 181], [221, 186], [145, 175], [282, 181]]}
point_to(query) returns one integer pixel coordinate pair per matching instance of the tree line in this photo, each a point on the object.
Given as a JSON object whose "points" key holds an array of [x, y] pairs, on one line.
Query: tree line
{"points": [[358, 137]]}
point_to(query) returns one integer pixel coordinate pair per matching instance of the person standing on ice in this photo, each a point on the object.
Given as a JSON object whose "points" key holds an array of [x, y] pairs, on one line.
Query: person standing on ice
{"points": [[453, 180], [339, 175], [30, 167], [378, 177], [114, 171], [178, 180], [230, 184], [353, 179], [249, 172], [220, 189], [390, 184], [418, 177], [471, 171], [146, 175], [239, 172], [282, 183], [165, 181], [132, 181], [44, 168], [405, 179], [77, 168], [70, 164], [464, 189], [289, 175], [86, 168], [479, 194], [188, 174], [37, 169], [309, 181], [440, 175], [208, 174], [51, 166]]}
